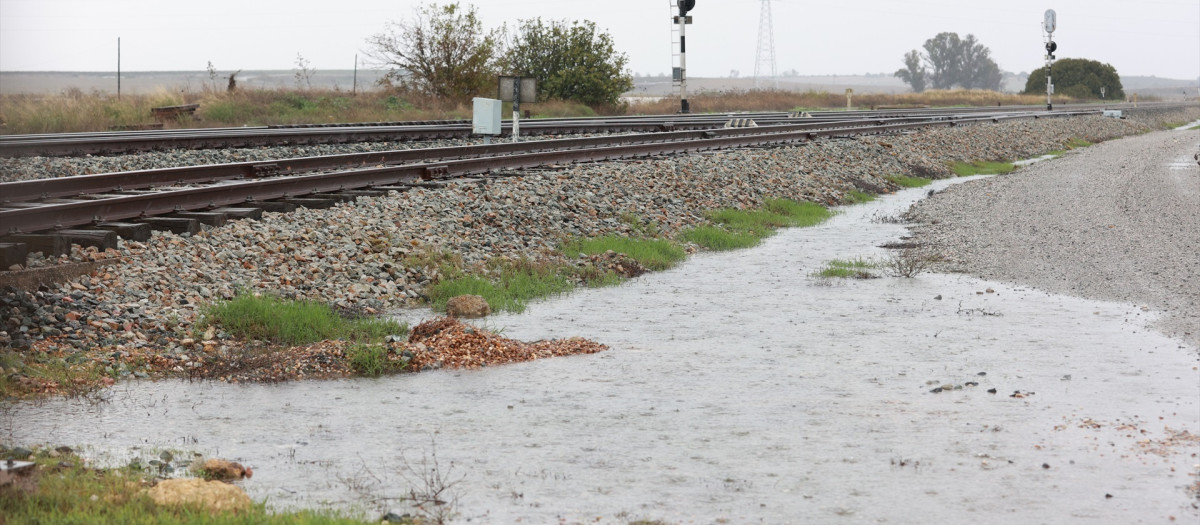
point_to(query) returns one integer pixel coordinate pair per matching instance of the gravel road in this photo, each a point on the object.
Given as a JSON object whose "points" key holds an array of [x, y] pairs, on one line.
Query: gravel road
{"points": [[1117, 221]]}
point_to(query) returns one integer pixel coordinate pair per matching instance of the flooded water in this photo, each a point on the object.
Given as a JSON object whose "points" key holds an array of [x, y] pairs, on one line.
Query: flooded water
{"points": [[737, 387]]}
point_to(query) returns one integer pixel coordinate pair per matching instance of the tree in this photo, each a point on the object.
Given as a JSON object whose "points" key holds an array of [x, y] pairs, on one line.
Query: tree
{"points": [[570, 62], [442, 51], [951, 61], [1078, 78], [914, 72]]}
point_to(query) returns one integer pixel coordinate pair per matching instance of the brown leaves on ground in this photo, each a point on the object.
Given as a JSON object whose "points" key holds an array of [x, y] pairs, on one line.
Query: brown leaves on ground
{"points": [[448, 343]]}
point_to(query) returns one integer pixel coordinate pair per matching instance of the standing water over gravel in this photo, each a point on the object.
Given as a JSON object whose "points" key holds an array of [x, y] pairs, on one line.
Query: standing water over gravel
{"points": [[739, 387]]}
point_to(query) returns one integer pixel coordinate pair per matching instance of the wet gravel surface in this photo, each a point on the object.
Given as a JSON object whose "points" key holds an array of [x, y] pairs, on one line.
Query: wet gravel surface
{"points": [[357, 256], [1117, 221]]}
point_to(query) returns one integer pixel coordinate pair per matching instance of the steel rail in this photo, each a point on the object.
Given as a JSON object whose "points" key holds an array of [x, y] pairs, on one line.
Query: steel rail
{"points": [[121, 142], [64, 215], [30, 190]]}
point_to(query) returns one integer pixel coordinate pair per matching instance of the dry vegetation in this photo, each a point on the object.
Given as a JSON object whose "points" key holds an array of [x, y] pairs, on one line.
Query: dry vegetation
{"points": [[76, 111]]}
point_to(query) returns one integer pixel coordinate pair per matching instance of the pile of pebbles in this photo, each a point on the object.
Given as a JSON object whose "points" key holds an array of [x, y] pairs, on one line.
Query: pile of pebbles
{"points": [[360, 256]]}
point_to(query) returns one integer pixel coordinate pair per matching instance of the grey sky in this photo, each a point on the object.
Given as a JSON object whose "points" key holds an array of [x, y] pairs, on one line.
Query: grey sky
{"points": [[1146, 37]]}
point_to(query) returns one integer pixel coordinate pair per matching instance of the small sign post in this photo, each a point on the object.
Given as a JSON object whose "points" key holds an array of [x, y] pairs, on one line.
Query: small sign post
{"points": [[518, 90]]}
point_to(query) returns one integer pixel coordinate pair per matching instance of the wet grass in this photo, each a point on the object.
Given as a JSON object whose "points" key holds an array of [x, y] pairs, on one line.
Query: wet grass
{"points": [[904, 181], [35, 375], [859, 197], [371, 360], [733, 229], [63, 490], [293, 322], [509, 287], [654, 254], [981, 167], [857, 268]]}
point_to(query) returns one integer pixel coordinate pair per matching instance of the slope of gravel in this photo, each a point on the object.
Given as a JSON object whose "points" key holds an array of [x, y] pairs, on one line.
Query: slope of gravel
{"points": [[1117, 221], [358, 255]]}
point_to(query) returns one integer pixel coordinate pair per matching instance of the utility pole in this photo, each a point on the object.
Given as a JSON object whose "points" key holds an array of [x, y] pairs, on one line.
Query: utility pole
{"points": [[765, 54], [118, 68]]}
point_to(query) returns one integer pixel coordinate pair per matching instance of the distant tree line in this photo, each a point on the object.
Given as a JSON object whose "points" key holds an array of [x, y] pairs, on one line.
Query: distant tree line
{"points": [[949, 62], [444, 51]]}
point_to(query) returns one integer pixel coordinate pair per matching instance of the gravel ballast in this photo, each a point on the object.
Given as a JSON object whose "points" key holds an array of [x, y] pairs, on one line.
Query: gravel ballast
{"points": [[1118, 221], [357, 256]]}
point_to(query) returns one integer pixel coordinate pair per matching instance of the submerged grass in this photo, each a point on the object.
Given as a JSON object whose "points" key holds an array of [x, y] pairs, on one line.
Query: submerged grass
{"points": [[981, 167], [63, 490], [734, 229], [904, 181], [293, 322], [857, 268]]}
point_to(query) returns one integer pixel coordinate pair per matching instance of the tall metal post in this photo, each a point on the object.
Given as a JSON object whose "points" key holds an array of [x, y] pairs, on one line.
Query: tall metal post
{"points": [[516, 127], [1049, 24], [683, 103], [118, 68]]}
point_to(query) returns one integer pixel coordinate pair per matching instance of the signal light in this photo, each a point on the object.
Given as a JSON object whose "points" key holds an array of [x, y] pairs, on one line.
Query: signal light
{"points": [[685, 6], [1051, 47]]}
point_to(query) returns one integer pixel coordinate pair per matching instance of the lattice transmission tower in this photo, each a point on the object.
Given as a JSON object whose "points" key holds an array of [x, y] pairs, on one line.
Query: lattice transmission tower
{"points": [[764, 58]]}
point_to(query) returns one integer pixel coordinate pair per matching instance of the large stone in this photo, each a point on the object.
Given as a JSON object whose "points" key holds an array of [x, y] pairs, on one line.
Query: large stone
{"points": [[213, 496], [467, 306]]}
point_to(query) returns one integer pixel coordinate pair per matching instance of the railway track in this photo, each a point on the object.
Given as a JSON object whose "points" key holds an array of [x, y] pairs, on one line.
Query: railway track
{"points": [[110, 143], [48, 215]]}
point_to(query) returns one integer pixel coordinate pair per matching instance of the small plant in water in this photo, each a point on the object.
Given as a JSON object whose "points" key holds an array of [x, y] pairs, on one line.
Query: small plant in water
{"points": [[857, 268], [909, 262]]}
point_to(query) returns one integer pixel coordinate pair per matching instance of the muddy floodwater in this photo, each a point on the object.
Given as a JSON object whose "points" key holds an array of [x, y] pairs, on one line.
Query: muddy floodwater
{"points": [[737, 387]]}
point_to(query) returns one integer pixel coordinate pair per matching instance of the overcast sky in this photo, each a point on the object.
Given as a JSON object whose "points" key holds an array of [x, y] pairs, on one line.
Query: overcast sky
{"points": [[1142, 37]]}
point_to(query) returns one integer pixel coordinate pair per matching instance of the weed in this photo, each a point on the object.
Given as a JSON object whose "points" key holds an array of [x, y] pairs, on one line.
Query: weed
{"points": [[857, 268], [905, 181], [638, 226], [717, 239], [371, 360], [909, 262], [431, 487], [1077, 143], [654, 254], [268, 318], [515, 283], [63, 490], [980, 167], [859, 197]]}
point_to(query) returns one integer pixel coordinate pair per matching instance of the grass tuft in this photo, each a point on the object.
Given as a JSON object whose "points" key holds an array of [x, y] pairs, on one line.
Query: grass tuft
{"points": [[980, 167], [859, 197], [292, 322], [515, 284], [654, 254], [905, 181], [858, 268], [371, 360], [735, 229]]}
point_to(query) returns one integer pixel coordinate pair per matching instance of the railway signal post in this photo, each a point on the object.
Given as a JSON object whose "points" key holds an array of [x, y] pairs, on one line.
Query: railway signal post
{"points": [[1049, 24], [680, 73]]}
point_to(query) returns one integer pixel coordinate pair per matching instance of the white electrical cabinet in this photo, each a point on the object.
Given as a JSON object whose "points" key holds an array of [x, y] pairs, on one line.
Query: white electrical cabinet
{"points": [[486, 119]]}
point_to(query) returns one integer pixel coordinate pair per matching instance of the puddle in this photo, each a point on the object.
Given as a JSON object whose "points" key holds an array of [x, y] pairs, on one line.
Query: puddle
{"points": [[736, 387], [1034, 160]]}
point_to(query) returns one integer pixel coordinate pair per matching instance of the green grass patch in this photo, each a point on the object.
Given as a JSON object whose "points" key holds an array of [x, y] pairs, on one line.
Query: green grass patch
{"points": [[734, 229], [718, 239], [858, 268], [904, 181], [65, 491], [859, 197], [292, 322], [371, 360], [1077, 143], [513, 286], [654, 254], [980, 167]]}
